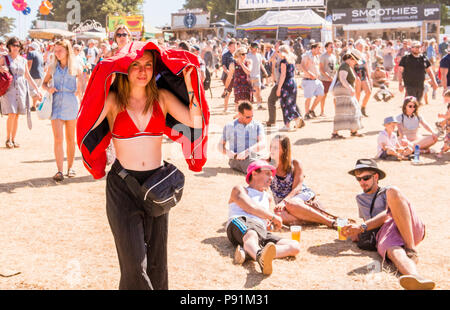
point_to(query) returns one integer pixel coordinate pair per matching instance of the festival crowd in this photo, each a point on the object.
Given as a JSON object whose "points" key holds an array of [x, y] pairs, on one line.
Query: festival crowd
{"points": [[352, 72]]}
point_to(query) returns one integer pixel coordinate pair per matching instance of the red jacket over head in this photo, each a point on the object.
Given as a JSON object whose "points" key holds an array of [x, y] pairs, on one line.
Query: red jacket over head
{"points": [[168, 70]]}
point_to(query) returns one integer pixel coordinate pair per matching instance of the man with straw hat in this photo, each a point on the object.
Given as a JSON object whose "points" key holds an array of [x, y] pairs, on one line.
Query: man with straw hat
{"points": [[390, 223]]}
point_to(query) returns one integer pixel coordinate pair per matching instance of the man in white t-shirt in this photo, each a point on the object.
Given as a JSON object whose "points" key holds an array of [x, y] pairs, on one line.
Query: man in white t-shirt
{"points": [[250, 214]]}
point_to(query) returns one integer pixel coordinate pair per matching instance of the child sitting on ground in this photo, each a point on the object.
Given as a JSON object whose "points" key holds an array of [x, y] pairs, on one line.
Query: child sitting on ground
{"points": [[389, 148], [445, 126], [381, 80]]}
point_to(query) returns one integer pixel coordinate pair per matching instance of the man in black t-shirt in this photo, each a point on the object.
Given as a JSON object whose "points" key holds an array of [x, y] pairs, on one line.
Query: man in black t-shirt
{"points": [[412, 69]]}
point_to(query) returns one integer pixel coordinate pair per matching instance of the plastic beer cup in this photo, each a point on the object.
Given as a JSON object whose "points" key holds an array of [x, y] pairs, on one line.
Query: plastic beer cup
{"points": [[340, 224], [295, 232]]}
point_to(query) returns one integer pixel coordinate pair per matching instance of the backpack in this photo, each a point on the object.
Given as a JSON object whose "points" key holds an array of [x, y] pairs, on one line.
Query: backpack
{"points": [[6, 79], [207, 81]]}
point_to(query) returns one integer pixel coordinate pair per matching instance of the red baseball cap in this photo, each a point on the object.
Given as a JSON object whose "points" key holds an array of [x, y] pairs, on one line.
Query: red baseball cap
{"points": [[259, 164]]}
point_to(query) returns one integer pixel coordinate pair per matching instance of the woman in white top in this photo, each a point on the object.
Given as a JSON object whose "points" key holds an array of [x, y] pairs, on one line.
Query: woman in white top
{"points": [[409, 123]]}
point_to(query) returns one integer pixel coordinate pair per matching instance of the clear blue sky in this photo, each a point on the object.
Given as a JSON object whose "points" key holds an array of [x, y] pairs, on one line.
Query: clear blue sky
{"points": [[156, 12]]}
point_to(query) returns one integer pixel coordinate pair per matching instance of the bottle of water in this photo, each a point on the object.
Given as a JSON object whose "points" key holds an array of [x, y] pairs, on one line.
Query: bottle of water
{"points": [[416, 154]]}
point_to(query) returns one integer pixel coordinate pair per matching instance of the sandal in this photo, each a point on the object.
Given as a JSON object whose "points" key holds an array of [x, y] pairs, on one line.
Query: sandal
{"points": [[337, 136], [71, 173], [9, 144], [58, 177], [15, 144], [356, 134]]}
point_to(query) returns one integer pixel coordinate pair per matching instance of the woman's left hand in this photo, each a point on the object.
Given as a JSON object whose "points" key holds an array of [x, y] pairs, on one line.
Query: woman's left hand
{"points": [[278, 92], [39, 95]]}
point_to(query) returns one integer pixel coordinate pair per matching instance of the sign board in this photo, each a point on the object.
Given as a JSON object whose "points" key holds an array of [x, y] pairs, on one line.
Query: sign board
{"points": [[316, 34], [190, 20], [134, 23], [268, 4], [282, 33], [387, 14]]}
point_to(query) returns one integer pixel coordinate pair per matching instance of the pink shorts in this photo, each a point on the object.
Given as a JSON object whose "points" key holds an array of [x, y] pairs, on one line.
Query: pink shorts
{"points": [[389, 235]]}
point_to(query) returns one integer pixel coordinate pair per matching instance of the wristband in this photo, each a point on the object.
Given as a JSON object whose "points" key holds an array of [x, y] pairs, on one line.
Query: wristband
{"points": [[271, 220]]}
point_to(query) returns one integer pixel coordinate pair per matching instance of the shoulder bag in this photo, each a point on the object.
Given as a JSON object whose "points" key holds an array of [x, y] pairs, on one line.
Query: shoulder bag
{"points": [[368, 240], [160, 192], [6, 79]]}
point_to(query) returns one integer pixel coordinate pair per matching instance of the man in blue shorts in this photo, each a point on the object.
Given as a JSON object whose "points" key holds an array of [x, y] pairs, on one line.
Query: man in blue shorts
{"points": [[250, 215]]}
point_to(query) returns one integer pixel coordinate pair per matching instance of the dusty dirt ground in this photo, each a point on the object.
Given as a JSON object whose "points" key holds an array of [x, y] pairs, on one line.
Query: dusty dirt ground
{"points": [[56, 236]]}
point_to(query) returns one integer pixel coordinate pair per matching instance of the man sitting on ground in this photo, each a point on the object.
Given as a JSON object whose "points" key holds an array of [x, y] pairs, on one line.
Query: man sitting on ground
{"points": [[250, 214], [399, 228], [245, 138], [380, 79]]}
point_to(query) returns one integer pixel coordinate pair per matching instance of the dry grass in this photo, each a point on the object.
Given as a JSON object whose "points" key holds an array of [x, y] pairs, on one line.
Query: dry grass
{"points": [[57, 235]]}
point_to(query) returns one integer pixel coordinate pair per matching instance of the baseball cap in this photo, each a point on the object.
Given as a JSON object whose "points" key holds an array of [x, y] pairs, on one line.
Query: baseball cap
{"points": [[259, 164]]}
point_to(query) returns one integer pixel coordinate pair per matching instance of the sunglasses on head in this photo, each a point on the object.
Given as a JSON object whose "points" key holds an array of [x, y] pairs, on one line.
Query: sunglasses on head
{"points": [[364, 178], [122, 35]]}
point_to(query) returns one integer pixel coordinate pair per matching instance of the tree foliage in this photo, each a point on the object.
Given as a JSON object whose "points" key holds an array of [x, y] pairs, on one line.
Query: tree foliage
{"points": [[94, 9], [6, 25]]}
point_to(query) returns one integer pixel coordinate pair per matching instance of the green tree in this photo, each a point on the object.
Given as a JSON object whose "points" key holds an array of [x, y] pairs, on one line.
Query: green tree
{"points": [[6, 25], [94, 9]]}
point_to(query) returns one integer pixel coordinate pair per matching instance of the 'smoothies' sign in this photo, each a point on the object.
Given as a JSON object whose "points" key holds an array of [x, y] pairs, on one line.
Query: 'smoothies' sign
{"points": [[268, 4], [387, 14]]}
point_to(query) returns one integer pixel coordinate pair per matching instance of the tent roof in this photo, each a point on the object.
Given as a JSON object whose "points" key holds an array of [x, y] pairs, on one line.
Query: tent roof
{"points": [[49, 33], [292, 19], [223, 22]]}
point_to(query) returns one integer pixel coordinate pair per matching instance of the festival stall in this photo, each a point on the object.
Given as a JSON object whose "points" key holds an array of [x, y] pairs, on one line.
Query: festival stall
{"points": [[417, 22], [50, 34], [288, 24]]}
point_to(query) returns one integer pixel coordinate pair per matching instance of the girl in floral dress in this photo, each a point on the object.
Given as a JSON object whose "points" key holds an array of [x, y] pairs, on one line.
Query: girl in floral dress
{"points": [[287, 89]]}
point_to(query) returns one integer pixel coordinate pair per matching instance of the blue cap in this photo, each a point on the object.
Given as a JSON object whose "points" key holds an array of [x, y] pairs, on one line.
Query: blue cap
{"points": [[390, 119]]}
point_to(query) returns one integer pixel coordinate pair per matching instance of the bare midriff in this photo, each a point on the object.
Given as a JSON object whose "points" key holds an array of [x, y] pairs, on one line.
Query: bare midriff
{"points": [[139, 154]]}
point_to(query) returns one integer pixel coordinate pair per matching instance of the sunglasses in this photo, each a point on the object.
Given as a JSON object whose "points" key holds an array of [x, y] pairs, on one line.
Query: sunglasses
{"points": [[15, 45], [364, 178], [121, 35], [411, 106]]}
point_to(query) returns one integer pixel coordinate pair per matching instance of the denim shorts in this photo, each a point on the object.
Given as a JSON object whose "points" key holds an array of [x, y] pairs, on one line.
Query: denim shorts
{"points": [[313, 88]]}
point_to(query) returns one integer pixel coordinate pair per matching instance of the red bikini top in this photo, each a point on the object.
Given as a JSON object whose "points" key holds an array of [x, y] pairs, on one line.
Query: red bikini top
{"points": [[125, 128]]}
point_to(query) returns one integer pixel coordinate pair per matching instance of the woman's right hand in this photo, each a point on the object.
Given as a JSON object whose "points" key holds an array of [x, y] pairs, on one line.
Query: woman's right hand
{"points": [[3, 69], [52, 90]]}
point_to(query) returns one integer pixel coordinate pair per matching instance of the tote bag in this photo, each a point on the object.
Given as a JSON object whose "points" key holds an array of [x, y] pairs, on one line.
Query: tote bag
{"points": [[44, 109]]}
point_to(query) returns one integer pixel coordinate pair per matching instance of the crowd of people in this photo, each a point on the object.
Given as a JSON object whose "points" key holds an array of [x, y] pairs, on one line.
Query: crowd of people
{"points": [[276, 194]]}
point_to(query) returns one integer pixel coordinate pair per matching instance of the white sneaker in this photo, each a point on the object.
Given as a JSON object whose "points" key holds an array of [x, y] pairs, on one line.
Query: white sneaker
{"points": [[415, 282], [266, 257], [239, 255]]}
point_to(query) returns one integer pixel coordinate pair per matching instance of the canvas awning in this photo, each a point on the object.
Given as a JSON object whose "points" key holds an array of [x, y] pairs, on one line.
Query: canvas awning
{"points": [[376, 26], [91, 35], [50, 34], [293, 20]]}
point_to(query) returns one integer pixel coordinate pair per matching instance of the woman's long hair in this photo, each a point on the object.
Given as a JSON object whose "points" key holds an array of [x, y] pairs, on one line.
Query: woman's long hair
{"points": [[409, 100], [285, 50], [286, 153], [72, 64], [121, 89]]}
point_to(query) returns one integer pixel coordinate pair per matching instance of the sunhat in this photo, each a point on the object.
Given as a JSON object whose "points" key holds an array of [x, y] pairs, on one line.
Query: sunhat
{"points": [[356, 55], [368, 164], [390, 119], [259, 164]]}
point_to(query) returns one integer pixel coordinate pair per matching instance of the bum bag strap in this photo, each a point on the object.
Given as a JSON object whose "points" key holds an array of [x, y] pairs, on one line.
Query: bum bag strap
{"points": [[131, 182]]}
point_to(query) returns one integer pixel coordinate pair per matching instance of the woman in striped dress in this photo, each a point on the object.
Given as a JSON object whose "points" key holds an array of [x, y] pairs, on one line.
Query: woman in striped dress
{"points": [[347, 112]]}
